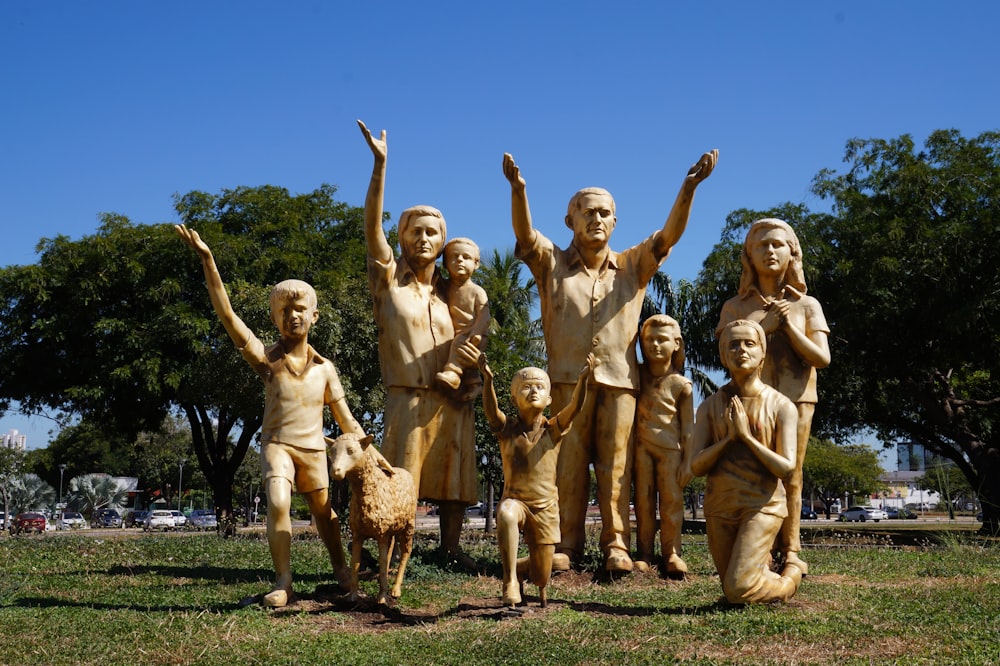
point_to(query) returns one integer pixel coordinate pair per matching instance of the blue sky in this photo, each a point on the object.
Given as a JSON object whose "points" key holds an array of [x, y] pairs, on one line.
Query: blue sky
{"points": [[117, 106]]}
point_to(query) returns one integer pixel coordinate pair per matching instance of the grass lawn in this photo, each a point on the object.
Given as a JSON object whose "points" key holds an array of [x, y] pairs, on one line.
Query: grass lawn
{"points": [[188, 599]]}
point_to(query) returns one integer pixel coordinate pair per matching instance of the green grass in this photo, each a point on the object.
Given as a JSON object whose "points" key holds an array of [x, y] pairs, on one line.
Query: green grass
{"points": [[871, 597]]}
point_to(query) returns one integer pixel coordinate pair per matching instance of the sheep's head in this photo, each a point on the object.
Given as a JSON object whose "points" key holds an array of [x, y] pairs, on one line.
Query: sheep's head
{"points": [[345, 452]]}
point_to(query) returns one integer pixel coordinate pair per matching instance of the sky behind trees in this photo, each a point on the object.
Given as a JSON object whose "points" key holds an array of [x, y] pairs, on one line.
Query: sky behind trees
{"points": [[117, 106]]}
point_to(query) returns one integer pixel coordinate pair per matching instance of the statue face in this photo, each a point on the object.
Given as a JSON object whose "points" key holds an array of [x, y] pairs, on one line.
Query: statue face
{"points": [[462, 260], [770, 252], [592, 221], [532, 393], [422, 240], [294, 317], [742, 350], [659, 344]]}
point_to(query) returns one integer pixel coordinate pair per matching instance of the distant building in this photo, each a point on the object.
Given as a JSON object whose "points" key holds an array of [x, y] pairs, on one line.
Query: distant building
{"points": [[913, 460], [15, 440]]}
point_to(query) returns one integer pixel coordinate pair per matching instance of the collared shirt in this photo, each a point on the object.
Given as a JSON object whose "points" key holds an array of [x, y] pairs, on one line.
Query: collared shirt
{"points": [[529, 457], [783, 368], [591, 311], [293, 402], [414, 324]]}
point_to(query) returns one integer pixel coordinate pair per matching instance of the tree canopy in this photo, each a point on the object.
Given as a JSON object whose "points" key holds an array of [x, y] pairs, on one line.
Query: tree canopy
{"points": [[907, 268], [117, 330]]}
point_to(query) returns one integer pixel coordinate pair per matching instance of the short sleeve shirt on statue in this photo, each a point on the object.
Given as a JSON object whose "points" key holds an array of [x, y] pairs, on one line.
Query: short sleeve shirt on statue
{"points": [[591, 311], [656, 422], [414, 324], [783, 368], [529, 468], [293, 402]]}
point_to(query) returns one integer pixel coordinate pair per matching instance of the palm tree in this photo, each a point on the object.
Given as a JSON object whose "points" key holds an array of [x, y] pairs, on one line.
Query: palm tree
{"points": [[30, 493], [683, 303], [90, 492]]}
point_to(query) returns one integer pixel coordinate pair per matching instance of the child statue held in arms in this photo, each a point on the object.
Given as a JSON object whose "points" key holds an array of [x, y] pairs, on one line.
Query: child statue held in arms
{"points": [[298, 383]]}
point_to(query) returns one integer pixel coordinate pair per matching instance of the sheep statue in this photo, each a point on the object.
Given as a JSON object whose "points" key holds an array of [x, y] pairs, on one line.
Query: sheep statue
{"points": [[383, 507]]}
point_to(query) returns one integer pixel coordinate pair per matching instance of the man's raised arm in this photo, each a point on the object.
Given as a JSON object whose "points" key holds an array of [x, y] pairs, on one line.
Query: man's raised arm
{"points": [[375, 240], [520, 214], [677, 220]]}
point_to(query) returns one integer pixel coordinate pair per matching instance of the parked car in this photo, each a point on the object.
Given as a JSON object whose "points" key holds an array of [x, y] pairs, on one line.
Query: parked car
{"points": [[135, 517], [180, 520], [107, 518], [902, 513], [160, 519], [203, 519], [862, 513], [70, 520], [29, 521], [808, 514]]}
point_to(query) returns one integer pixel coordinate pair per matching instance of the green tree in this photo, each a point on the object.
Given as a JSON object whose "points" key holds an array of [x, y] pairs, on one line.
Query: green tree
{"points": [[907, 267], [11, 464], [123, 321], [831, 471], [949, 483]]}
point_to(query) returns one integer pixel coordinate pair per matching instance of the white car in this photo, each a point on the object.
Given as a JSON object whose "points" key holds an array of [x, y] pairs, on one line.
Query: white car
{"points": [[161, 519], [862, 513], [70, 520], [180, 520]]}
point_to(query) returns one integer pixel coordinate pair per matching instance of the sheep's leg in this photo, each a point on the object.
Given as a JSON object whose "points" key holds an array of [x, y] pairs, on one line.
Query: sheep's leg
{"points": [[405, 547], [356, 545], [384, 548]]}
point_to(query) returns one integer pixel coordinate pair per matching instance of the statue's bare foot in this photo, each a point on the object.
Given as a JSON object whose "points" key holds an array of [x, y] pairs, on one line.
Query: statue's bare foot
{"points": [[449, 378]]}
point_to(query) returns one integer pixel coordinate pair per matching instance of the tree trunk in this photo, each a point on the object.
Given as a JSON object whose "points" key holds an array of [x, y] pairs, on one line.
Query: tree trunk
{"points": [[217, 461]]}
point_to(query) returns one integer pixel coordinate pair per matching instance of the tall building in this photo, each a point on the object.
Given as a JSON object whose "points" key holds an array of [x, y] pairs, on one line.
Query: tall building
{"points": [[15, 440]]}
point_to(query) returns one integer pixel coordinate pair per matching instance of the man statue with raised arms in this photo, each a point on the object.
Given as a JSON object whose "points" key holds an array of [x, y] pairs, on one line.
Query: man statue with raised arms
{"points": [[590, 299]]}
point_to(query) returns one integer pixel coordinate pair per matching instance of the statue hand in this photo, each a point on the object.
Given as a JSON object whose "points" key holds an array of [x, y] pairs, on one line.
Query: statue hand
{"points": [[738, 418], [191, 237], [512, 172], [704, 167], [379, 147], [484, 367], [468, 353]]}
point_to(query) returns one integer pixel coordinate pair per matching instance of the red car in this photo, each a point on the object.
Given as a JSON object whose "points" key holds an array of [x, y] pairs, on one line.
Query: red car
{"points": [[28, 522]]}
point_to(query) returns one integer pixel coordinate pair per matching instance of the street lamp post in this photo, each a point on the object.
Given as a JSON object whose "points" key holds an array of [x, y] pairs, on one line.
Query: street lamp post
{"points": [[62, 468], [180, 481]]}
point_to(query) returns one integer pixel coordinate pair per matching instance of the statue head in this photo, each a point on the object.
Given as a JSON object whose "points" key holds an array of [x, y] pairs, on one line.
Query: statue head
{"points": [[591, 216], [742, 329], [422, 234], [293, 307], [660, 339], [531, 388], [793, 273]]}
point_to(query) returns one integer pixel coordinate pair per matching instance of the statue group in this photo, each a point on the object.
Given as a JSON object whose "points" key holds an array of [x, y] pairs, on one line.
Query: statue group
{"points": [[629, 422]]}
